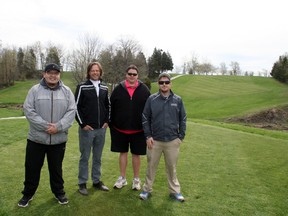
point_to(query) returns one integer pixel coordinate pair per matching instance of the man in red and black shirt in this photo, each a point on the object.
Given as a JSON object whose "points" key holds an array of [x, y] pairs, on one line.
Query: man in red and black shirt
{"points": [[127, 104]]}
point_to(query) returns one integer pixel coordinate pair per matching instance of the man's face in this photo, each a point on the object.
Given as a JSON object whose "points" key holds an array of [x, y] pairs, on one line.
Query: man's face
{"points": [[132, 76], [164, 84], [52, 77], [94, 73]]}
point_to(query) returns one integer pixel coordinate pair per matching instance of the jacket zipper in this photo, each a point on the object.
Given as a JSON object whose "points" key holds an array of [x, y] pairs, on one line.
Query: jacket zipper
{"points": [[51, 114]]}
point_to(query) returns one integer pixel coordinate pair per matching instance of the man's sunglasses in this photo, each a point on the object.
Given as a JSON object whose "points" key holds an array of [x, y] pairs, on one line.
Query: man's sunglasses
{"points": [[162, 82], [132, 74]]}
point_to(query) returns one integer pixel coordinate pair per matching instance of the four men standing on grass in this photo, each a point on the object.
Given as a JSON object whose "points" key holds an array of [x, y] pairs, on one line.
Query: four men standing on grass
{"points": [[163, 121]]}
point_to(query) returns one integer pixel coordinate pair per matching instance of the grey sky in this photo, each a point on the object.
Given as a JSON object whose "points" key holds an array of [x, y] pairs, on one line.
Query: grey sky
{"points": [[251, 32]]}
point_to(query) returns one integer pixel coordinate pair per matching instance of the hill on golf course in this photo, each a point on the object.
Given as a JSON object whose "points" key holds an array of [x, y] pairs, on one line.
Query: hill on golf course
{"points": [[254, 101]]}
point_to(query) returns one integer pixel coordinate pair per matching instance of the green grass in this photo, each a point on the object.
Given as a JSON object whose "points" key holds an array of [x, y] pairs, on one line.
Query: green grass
{"points": [[221, 171], [223, 168], [218, 97]]}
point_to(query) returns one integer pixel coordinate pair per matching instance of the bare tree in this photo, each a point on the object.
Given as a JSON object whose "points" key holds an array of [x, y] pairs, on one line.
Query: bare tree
{"points": [[223, 68], [235, 68], [205, 68], [89, 50], [193, 65]]}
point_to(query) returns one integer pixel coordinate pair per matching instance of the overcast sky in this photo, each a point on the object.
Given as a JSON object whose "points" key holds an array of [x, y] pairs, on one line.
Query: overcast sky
{"points": [[252, 32]]}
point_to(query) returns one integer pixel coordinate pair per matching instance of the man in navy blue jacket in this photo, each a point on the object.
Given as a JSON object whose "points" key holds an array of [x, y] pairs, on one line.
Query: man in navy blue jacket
{"points": [[164, 124]]}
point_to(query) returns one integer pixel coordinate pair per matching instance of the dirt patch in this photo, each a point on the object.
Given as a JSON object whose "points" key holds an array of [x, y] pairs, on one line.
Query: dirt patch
{"points": [[12, 106], [273, 119]]}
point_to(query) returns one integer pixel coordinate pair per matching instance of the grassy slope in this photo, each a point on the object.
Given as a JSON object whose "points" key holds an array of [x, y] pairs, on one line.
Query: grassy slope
{"points": [[216, 97]]}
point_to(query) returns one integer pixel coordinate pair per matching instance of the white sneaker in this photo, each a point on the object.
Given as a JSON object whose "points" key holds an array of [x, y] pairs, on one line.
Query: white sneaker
{"points": [[136, 184], [121, 182]]}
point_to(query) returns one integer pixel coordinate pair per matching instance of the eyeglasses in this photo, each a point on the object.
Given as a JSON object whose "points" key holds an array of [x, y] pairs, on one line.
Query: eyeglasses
{"points": [[162, 82], [132, 74]]}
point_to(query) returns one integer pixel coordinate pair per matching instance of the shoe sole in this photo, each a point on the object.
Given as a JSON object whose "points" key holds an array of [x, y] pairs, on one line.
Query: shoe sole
{"points": [[174, 198], [136, 188], [24, 206], [144, 198], [119, 187], [83, 193], [62, 203]]}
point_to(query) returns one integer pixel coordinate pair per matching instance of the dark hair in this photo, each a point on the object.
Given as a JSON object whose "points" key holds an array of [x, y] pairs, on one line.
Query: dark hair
{"points": [[90, 66], [132, 67]]}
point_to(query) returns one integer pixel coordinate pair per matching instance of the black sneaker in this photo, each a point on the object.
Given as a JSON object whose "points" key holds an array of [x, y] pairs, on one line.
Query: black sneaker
{"points": [[100, 185], [24, 202], [62, 199], [82, 189]]}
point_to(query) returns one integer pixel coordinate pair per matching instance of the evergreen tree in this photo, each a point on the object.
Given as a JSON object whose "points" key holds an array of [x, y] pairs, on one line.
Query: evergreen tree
{"points": [[280, 69]]}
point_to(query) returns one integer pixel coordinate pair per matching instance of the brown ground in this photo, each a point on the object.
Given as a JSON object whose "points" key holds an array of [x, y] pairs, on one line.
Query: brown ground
{"points": [[273, 119]]}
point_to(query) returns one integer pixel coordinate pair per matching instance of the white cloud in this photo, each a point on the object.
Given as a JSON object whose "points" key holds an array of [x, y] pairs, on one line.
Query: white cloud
{"points": [[254, 33]]}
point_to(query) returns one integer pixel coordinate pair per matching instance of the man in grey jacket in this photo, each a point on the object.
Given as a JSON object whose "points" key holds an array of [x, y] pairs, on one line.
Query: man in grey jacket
{"points": [[164, 124], [50, 109]]}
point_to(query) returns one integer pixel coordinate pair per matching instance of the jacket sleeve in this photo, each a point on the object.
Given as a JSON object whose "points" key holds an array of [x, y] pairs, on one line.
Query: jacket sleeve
{"points": [[146, 118], [108, 108], [66, 122], [182, 120], [79, 113], [30, 111]]}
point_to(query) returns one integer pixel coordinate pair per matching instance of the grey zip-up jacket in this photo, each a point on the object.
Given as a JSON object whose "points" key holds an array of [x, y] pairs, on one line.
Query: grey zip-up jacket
{"points": [[43, 106], [164, 119]]}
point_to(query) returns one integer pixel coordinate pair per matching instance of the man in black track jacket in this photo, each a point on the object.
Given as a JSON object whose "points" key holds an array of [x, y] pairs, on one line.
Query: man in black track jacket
{"points": [[92, 116]]}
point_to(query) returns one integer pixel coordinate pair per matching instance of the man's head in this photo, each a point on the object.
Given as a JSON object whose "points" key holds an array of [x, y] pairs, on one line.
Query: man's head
{"points": [[132, 74], [52, 66], [94, 71], [51, 75], [164, 82]]}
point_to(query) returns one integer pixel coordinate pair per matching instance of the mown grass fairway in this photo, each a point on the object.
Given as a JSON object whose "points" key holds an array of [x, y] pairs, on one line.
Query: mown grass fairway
{"points": [[224, 169]]}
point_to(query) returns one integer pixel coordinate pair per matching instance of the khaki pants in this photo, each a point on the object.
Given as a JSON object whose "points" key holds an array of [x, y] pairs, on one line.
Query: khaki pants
{"points": [[170, 151]]}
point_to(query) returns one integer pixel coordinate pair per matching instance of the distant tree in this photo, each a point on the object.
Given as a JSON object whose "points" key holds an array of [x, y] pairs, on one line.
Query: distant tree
{"points": [[141, 63], [54, 54], [205, 68], [223, 68], [166, 62], [30, 63], [8, 66], [193, 64], [280, 69], [20, 64], [235, 68], [90, 47], [158, 62]]}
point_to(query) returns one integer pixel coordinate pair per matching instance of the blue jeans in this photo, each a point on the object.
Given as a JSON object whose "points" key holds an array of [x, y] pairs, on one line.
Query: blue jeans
{"points": [[90, 140]]}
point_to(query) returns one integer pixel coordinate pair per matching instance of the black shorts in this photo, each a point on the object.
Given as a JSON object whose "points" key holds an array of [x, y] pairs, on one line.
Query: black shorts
{"points": [[120, 142]]}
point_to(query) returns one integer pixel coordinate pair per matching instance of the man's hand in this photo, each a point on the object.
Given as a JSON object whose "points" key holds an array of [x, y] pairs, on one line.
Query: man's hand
{"points": [[150, 142], [52, 129]]}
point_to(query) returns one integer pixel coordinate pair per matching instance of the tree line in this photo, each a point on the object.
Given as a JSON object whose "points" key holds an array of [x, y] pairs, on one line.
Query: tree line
{"points": [[27, 63]]}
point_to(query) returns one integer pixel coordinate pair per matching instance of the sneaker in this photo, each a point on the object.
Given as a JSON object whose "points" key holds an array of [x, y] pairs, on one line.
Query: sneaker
{"points": [[136, 184], [24, 202], [62, 199], [144, 195], [121, 182], [100, 185], [82, 189], [177, 196]]}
